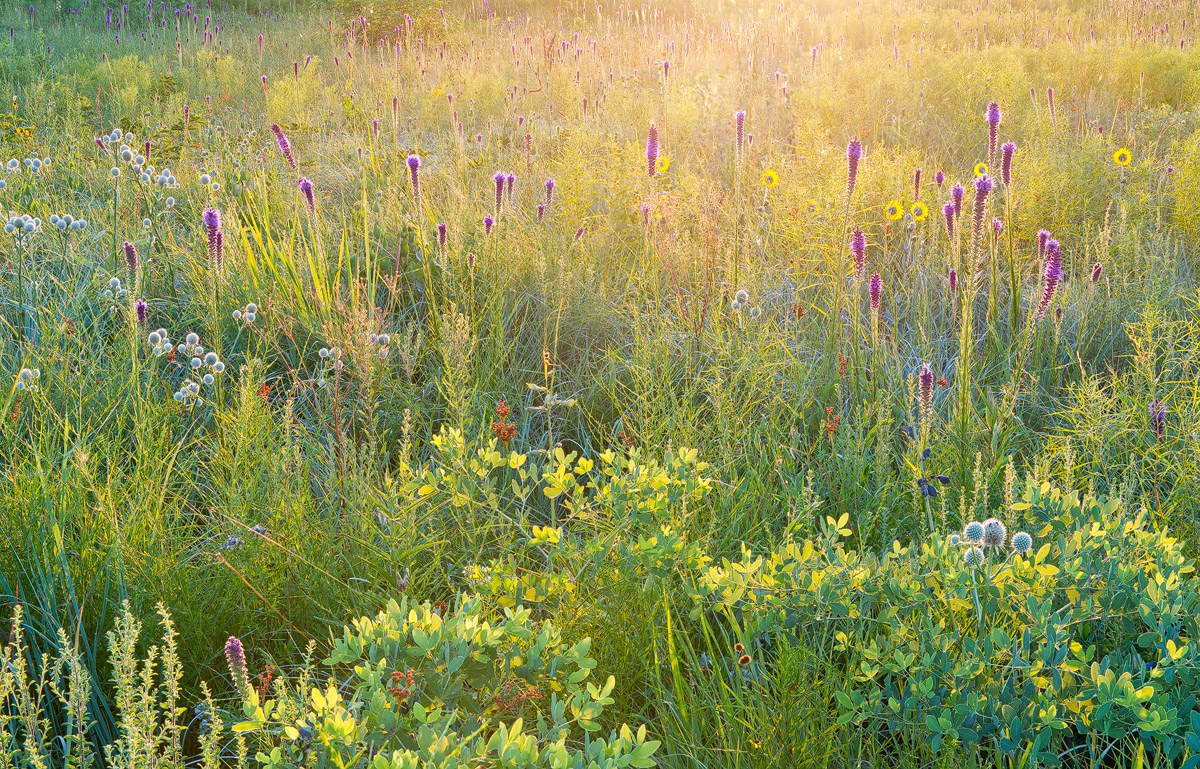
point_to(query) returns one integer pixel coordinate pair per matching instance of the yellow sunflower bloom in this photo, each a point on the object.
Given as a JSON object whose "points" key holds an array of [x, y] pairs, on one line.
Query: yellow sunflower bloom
{"points": [[895, 210], [1122, 157], [919, 211], [770, 178], [664, 163], [981, 169]]}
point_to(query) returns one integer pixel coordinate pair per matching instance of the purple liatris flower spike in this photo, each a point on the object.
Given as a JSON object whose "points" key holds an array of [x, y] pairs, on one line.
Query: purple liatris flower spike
{"points": [[498, 178], [997, 227], [414, 175], [939, 178], [739, 130], [854, 153], [141, 311], [925, 389], [917, 184], [306, 189], [441, 231], [1051, 277], [1043, 237], [1158, 417], [488, 223], [953, 280], [541, 211], [1097, 271], [983, 186], [235, 655], [956, 195], [858, 247], [212, 226], [509, 181], [875, 290], [284, 145], [948, 211], [131, 256], [1006, 157], [220, 247], [993, 121], [549, 191], [652, 150]]}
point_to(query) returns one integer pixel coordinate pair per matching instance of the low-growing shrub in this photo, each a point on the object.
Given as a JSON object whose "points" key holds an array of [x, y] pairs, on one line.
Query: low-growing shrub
{"points": [[1072, 637]]}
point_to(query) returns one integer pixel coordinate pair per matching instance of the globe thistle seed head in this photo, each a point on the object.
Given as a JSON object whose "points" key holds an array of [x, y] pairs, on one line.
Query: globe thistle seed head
{"points": [[994, 533], [1022, 543], [973, 558], [973, 532]]}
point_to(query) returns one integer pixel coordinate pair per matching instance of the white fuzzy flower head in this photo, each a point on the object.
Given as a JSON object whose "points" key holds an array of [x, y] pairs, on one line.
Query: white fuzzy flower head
{"points": [[973, 532], [1022, 543], [973, 558], [994, 533]]}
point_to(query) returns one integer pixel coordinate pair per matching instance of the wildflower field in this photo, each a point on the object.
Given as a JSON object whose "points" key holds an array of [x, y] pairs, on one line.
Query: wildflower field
{"points": [[550, 383]]}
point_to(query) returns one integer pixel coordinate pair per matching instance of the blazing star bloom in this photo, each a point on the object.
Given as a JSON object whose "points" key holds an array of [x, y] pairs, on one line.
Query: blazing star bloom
{"points": [[488, 223], [739, 128], [441, 235], [509, 181], [284, 145], [131, 256], [925, 388], [652, 150], [1043, 237], [1006, 158], [956, 195], [983, 186], [212, 224], [854, 153], [549, 190], [306, 188], [948, 211], [875, 290], [858, 247], [953, 278], [997, 227], [141, 311], [939, 178], [414, 167], [1158, 417], [499, 178], [917, 184], [541, 211], [235, 655], [1097, 271], [1051, 277], [993, 121]]}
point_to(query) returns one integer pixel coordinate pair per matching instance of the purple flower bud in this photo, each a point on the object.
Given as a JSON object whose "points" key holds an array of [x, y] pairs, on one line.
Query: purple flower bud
{"points": [[1043, 237], [441, 235], [917, 184], [212, 225], [997, 227], [956, 195], [739, 129], [235, 655], [1158, 417], [541, 211], [488, 223], [925, 391], [875, 290], [141, 311], [549, 191], [498, 178], [414, 165], [1097, 272], [131, 256], [949, 211], [509, 181], [993, 121], [953, 280], [1051, 277], [939, 178]]}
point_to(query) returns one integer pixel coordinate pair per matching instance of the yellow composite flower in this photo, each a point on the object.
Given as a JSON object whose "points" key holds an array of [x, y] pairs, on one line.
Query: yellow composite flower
{"points": [[981, 169], [895, 210], [919, 211], [664, 163], [770, 178], [1122, 157]]}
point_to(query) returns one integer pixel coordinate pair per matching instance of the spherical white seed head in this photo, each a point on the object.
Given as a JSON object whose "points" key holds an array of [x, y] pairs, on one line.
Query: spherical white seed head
{"points": [[208, 379], [994, 533], [115, 172], [219, 367], [323, 352], [153, 339], [249, 317], [1022, 542], [205, 179], [195, 363], [742, 296], [193, 338], [252, 307], [210, 359], [237, 314]]}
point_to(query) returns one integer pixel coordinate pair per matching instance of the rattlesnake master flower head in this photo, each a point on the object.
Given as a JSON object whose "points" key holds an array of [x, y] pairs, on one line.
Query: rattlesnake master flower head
{"points": [[994, 533], [1022, 543], [858, 247], [973, 532], [973, 558], [955, 539]]}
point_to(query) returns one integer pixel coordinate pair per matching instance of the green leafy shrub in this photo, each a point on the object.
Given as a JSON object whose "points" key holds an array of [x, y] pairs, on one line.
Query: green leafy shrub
{"points": [[1086, 636]]}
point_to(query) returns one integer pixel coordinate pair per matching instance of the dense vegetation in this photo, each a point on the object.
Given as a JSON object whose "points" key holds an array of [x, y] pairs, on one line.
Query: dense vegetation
{"points": [[704, 383]]}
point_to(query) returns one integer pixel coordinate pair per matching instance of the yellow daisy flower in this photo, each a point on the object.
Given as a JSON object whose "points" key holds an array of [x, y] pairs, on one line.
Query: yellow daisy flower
{"points": [[664, 163], [919, 211], [770, 178], [1122, 157], [895, 210], [981, 169]]}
